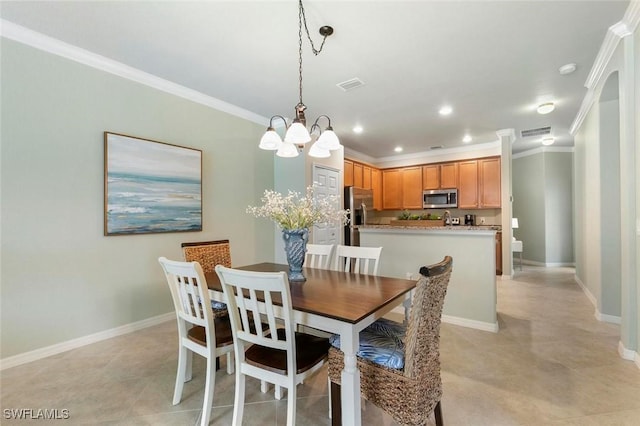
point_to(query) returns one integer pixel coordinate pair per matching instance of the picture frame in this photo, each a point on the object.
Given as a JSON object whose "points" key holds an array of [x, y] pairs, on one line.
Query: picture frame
{"points": [[150, 187]]}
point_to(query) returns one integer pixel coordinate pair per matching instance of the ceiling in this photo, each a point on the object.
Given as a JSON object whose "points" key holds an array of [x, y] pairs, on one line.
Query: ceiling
{"points": [[491, 61]]}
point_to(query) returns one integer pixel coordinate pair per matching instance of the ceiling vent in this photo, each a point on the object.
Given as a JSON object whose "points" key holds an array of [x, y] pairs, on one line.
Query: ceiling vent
{"points": [[350, 84], [535, 132], [436, 147]]}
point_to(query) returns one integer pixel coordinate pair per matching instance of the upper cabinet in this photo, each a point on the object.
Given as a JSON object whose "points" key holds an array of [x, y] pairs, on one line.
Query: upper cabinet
{"points": [[489, 179], [392, 189], [412, 187], [440, 176], [348, 173], [376, 187], [479, 184], [366, 177], [357, 175]]}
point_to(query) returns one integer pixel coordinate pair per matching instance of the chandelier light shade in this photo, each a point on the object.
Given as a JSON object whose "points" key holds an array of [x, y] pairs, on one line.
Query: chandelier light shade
{"points": [[297, 135]]}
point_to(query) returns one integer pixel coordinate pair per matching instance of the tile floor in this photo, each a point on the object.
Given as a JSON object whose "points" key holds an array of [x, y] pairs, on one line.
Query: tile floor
{"points": [[551, 363]]}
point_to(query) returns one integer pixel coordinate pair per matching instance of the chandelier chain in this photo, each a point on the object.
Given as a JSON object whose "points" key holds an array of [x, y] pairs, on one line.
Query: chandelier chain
{"points": [[303, 19]]}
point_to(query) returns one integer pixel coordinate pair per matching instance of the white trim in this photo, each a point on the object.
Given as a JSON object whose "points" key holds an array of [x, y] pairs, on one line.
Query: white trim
{"points": [[34, 39], [587, 292], [608, 318], [548, 264], [478, 325], [616, 32], [37, 354], [440, 152], [543, 149], [625, 353], [637, 359]]}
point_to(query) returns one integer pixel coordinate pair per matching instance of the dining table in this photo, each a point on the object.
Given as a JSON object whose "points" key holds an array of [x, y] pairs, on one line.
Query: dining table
{"points": [[341, 303]]}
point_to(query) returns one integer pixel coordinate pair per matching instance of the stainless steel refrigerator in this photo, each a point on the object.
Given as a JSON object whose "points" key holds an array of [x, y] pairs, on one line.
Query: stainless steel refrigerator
{"points": [[360, 203]]}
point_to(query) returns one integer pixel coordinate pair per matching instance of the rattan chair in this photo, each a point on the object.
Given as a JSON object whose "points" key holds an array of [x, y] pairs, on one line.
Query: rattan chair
{"points": [[209, 254], [198, 330], [412, 393]]}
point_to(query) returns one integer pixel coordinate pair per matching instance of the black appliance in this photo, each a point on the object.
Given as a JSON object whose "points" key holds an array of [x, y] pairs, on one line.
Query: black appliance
{"points": [[359, 202], [470, 219]]}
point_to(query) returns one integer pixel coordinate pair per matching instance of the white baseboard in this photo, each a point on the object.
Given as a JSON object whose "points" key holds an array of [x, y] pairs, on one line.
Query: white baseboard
{"points": [[607, 318], [464, 322], [625, 353], [587, 292], [37, 354], [546, 264]]}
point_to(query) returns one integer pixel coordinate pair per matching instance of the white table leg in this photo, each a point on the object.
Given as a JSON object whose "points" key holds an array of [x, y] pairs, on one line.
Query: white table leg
{"points": [[350, 394]]}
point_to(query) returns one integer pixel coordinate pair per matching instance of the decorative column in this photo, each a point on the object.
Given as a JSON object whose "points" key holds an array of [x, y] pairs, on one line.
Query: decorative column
{"points": [[507, 137]]}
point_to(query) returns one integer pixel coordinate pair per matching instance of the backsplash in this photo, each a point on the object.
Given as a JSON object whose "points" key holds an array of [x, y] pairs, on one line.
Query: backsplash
{"points": [[483, 217]]}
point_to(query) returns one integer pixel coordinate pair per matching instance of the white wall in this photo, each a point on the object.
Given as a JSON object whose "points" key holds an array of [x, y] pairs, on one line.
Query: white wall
{"points": [[61, 279]]}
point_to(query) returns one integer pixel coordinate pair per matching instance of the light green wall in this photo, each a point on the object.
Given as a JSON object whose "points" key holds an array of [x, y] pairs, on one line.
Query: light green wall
{"points": [[558, 197], [529, 205], [61, 278]]}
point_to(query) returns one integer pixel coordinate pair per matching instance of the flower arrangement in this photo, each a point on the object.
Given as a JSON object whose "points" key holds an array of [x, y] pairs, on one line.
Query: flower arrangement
{"points": [[295, 212]]}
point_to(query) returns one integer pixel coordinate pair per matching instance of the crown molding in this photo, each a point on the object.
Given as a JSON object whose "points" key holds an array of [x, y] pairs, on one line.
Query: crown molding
{"points": [[615, 33], [23, 35], [439, 152], [543, 149]]}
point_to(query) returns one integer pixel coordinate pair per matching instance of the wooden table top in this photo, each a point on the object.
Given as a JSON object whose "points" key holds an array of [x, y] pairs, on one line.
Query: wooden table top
{"points": [[340, 295]]}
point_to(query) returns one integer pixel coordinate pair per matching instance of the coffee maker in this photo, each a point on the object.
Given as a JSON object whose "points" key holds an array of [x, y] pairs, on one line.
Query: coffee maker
{"points": [[470, 219]]}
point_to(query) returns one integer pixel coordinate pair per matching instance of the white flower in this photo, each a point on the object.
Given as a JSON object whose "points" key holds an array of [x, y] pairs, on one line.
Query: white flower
{"points": [[296, 212]]}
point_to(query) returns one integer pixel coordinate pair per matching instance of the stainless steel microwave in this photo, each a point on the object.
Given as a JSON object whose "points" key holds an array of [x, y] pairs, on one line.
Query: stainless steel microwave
{"points": [[440, 198]]}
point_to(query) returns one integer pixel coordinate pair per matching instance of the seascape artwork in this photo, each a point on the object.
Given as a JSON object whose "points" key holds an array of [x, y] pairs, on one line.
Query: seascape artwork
{"points": [[151, 187]]}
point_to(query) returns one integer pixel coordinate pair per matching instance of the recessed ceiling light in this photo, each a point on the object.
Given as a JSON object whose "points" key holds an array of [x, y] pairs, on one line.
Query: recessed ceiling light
{"points": [[466, 139], [445, 110], [548, 141], [357, 129], [546, 108], [567, 69], [398, 149]]}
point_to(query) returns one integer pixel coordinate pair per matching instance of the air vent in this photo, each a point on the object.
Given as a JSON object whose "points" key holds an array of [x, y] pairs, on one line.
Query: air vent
{"points": [[350, 84], [536, 132], [436, 147]]}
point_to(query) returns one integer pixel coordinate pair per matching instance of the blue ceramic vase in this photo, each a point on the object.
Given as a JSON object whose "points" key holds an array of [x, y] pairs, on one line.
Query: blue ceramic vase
{"points": [[295, 246]]}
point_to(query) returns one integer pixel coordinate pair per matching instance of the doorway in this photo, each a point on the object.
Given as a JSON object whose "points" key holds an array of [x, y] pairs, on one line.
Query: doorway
{"points": [[327, 183]]}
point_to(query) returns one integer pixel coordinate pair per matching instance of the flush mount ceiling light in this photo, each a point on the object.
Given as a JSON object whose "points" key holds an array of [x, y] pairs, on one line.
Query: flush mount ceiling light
{"points": [[567, 69], [467, 139], [398, 149], [445, 110], [548, 141], [357, 129], [546, 108], [296, 132]]}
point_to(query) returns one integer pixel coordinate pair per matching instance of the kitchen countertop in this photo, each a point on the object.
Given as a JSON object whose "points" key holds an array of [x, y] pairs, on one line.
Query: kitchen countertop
{"points": [[436, 228]]}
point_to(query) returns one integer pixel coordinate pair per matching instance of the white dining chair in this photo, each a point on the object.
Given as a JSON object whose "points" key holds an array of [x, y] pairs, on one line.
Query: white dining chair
{"points": [[318, 256], [360, 260], [278, 355], [198, 330]]}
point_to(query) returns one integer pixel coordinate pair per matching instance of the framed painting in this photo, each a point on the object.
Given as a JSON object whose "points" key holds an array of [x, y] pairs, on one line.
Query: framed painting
{"points": [[150, 187]]}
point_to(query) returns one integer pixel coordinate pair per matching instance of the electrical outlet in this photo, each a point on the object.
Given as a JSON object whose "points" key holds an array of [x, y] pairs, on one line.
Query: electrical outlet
{"points": [[409, 275], [482, 221]]}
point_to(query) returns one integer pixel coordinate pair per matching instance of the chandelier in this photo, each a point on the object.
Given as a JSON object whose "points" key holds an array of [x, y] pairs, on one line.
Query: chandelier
{"points": [[297, 135]]}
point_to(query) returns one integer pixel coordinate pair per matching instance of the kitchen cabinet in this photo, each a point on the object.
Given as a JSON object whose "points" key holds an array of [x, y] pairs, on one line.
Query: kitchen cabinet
{"points": [[392, 189], [489, 183], [431, 176], [412, 187], [449, 175], [479, 183], [366, 177], [348, 173], [357, 175], [376, 187], [498, 253], [440, 176], [468, 184]]}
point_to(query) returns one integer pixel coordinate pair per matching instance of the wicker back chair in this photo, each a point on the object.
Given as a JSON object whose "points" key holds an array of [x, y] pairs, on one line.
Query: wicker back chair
{"points": [[410, 394], [209, 254]]}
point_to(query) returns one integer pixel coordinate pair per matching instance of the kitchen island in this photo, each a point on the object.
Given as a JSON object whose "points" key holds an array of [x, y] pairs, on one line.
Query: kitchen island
{"points": [[471, 295]]}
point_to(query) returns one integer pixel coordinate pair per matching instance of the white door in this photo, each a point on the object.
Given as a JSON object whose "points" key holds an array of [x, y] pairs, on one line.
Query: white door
{"points": [[327, 182]]}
